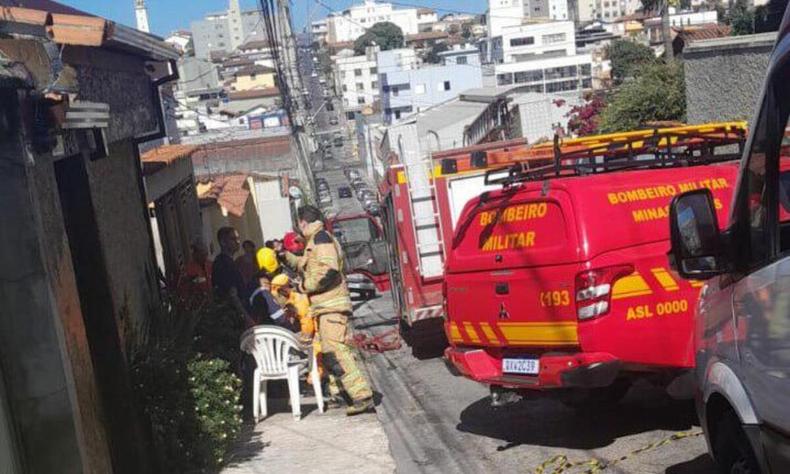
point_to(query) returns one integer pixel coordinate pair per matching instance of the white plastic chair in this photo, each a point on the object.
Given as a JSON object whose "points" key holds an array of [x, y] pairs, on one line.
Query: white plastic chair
{"points": [[273, 349]]}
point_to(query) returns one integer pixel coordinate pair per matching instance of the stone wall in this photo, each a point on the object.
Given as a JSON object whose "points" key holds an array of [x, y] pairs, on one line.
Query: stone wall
{"points": [[724, 77]]}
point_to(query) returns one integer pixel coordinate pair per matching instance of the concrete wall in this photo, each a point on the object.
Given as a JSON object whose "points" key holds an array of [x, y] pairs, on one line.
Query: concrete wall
{"points": [[724, 77], [258, 81], [275, 210], [47, 368]]}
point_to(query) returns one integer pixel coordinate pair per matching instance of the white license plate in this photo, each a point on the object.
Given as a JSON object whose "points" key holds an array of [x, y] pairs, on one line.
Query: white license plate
{"points": [[521, 366]]}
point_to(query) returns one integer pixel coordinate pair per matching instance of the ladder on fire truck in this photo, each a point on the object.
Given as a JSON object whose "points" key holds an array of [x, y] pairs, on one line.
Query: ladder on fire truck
{"points": [[665, 147], [426, 218]]}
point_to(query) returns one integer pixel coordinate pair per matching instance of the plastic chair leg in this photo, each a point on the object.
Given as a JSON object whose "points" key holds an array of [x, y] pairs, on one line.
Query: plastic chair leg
{"points": [[256, 389], [293, 390], [315, 378], [262, 400]]}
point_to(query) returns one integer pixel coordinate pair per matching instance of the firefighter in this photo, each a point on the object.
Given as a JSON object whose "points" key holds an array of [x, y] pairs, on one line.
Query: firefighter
{"points": [[321, 268]]}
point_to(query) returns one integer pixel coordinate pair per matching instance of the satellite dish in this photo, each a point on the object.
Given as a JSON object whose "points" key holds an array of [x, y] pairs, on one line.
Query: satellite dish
{"points": [[295, 192]]}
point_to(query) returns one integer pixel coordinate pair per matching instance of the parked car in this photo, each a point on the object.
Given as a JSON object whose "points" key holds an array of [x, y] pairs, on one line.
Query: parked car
{"points": [[743, 315], [344, 192], [353, 174]]}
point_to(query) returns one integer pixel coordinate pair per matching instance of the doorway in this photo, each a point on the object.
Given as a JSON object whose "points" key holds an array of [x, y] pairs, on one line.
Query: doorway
{"points": [[98, 312]]}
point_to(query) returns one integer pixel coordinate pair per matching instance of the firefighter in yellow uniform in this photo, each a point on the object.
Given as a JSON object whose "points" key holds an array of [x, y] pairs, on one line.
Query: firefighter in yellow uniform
{"points": [[321, 268]]}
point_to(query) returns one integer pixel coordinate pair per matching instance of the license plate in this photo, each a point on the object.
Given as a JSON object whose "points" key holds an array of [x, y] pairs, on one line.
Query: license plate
{"points": [[521, 366]]}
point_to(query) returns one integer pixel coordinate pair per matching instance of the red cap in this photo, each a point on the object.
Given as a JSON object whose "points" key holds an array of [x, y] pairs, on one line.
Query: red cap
{"points": [[293, 243]]}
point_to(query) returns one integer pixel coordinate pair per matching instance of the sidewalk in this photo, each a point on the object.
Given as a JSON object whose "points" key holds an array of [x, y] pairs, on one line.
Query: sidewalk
{"points": [[327, 443]]}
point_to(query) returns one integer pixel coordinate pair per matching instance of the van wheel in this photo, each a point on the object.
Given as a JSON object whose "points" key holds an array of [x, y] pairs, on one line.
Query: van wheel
{"points": [[731, 447], [588, 398]]}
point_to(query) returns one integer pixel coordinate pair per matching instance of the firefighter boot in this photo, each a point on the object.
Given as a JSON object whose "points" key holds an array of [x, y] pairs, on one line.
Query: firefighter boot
{"points": [[361, 406]]}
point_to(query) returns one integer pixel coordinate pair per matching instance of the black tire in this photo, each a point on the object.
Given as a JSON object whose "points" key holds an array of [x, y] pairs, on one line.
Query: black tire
{"points": [[590, 398], [731, 447]]}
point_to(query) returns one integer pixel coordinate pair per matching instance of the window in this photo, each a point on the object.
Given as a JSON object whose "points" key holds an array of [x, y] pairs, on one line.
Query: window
{"points": [[357, 72], [587, 83], [504, 79], [397, 115], [374, 85], [447, 85], [570, 85], [560, 72], [360, 100], [528, 76], [345, 88], [586, 69], [394, 90], [525, 41], [360, 86], [419, 89], [553, 38], [461, 60], [374, 70]]}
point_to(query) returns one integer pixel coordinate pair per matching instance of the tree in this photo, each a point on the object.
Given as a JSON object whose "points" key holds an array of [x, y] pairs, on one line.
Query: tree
{"points": [[466, 31], [741, 19], [385, 35], [433, 55], [656, 94], [584, 119], [627, 58]]}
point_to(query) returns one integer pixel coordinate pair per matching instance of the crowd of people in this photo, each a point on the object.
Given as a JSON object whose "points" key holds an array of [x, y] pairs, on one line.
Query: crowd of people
{"points": [[296, 283]]}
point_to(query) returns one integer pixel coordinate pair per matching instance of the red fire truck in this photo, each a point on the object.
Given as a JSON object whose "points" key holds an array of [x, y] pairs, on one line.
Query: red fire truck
{"points": [[558, 282], [421, 201]]}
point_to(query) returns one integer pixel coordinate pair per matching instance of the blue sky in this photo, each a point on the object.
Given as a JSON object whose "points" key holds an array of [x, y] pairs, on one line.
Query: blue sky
{"points": [[168, 15]]}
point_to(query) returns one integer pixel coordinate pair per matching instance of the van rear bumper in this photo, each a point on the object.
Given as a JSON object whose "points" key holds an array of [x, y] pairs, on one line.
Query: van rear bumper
{"points": [[581, 369]]}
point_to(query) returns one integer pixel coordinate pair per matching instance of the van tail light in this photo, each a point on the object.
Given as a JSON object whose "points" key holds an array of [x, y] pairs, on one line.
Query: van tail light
{"points": [[594, 290]]}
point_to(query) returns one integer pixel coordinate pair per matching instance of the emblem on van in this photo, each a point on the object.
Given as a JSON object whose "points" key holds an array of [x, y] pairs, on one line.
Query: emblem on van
{"points": [[503, 314]]}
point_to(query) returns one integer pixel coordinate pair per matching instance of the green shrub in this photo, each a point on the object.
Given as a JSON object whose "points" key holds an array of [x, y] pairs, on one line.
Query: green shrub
{"points": [[215, 391], [191, 399]]}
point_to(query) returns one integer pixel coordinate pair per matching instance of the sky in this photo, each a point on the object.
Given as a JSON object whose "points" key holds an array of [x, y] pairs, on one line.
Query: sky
{"points": [[165, 16]]}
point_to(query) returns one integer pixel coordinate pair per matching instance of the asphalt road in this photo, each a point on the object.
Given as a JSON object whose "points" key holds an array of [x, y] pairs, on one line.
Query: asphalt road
{"points": [[437, 422]]}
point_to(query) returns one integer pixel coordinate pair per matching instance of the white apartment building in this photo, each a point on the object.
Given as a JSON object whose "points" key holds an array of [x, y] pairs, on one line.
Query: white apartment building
{"points": [[353, 22], [541, 56], [356, 79], [319, 30], [510, 13]]}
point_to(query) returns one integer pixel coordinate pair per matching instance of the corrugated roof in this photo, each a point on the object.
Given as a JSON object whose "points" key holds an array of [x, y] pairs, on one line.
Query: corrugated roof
{"points": [[254, 94], [449, 113], [254, 69]]}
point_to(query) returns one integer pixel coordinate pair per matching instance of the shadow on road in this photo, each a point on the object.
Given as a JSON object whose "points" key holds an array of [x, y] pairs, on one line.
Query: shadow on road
{"points": [[426, 338], [247, 447], [702, 464], [545, 422]]}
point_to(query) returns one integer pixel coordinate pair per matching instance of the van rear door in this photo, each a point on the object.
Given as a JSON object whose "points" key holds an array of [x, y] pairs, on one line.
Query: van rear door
{"points": [[511, 269]]}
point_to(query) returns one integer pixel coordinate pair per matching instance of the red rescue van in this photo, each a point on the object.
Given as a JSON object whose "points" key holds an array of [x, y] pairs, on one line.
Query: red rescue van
{"points": [[560, 279]]}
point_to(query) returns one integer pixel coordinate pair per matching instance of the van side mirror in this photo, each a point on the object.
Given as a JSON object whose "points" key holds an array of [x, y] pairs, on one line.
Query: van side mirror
{"points": [[697, 251]]}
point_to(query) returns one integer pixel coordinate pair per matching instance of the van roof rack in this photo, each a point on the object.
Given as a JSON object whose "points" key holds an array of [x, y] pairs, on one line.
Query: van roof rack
{"points": [[656, 148]]}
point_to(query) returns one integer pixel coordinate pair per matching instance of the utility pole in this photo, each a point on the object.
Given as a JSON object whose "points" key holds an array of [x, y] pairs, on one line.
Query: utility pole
{"points": [[666, 32]]}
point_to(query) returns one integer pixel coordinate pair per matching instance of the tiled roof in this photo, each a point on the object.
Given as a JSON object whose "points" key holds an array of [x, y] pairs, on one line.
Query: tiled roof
{"points": [[270, 154], [164, 156], [703, 32], [254, 94], [228, 190]]}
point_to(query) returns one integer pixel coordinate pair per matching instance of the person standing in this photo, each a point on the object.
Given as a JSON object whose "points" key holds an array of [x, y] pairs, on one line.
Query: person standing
{"points": [[247, 266], [321, 269], [225, 276], [196, 280]]}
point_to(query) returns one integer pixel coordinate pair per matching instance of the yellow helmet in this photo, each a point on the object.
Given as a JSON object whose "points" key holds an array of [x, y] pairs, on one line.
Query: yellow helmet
{"points": [[280, 280], [267, 260]]}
